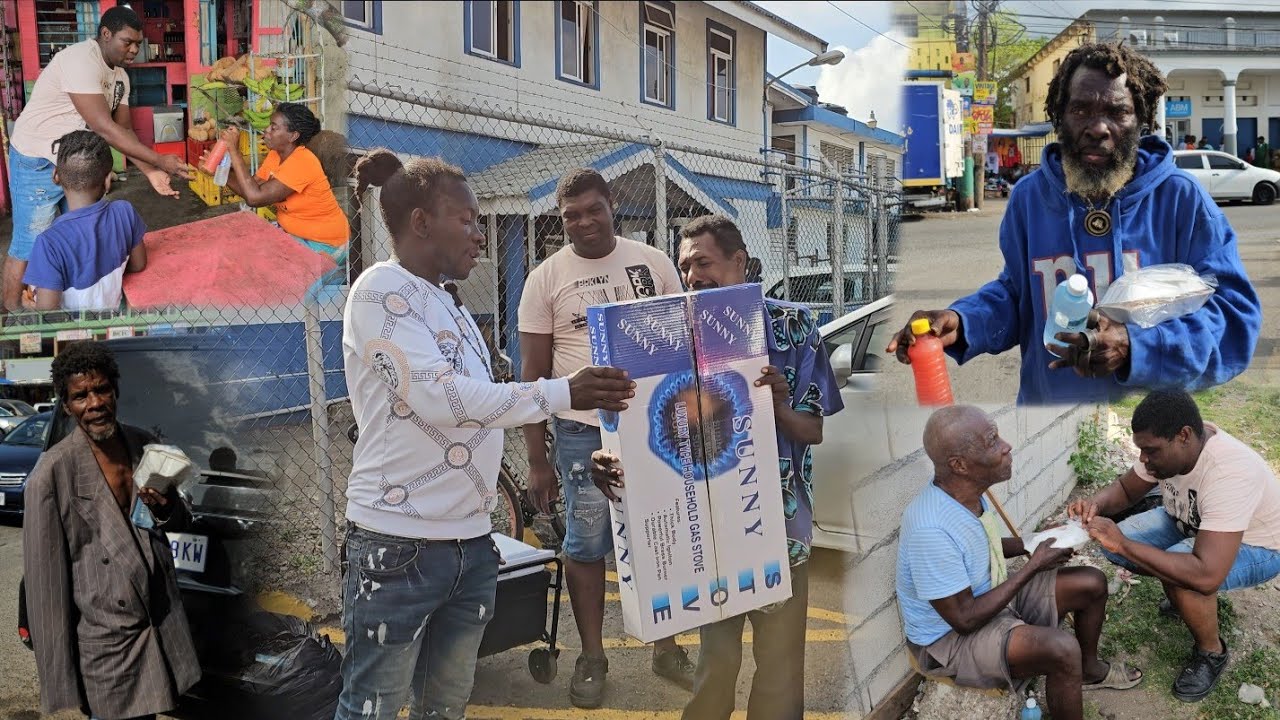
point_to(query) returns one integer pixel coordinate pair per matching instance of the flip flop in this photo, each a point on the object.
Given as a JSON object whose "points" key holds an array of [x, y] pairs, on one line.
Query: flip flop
{"points": [[1117, 678]]}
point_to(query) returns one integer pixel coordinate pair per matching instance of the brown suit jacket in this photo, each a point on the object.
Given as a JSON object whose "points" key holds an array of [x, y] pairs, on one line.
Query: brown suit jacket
{"points": [[107, 624]]}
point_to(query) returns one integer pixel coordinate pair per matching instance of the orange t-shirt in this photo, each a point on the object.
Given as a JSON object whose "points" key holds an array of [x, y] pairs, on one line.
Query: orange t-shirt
{"points": [[311, 212]]}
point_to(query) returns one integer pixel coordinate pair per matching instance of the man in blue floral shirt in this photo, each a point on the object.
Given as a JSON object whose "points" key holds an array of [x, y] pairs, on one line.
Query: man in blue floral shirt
{"points": [[713, 255]]}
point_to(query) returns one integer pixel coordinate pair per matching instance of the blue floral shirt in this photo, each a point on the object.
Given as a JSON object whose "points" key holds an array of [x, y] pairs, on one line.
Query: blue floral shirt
{"points": [[796, 348]]}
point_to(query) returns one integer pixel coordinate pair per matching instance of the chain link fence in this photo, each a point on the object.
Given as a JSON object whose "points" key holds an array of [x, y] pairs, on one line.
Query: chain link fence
{"points": [[256, 394]]}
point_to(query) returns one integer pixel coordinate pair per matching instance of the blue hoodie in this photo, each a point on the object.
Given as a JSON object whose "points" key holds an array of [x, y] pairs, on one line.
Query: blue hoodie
{"points": [[1161, 216]]}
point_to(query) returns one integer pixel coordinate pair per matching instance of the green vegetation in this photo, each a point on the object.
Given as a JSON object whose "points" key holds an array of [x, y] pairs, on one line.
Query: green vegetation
{"points": [[1161, 646], [1097, 460]]}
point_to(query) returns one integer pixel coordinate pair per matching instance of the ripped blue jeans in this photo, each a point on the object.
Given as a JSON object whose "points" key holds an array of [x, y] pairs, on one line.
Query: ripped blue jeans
{"points": [[36, 198], [414, 612], [588, 531]]}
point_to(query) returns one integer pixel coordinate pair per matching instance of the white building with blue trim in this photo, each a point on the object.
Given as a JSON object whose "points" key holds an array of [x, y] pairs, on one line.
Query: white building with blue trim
{"points": [[522, 75]]}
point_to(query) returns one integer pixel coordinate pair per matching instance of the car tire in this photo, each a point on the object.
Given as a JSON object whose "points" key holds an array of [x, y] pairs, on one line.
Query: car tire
{"points": [[1264, 193]]}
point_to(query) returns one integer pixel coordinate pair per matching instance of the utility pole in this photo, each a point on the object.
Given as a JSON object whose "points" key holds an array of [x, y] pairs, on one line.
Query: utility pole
{"points": [[964, 196], [985, 9]]}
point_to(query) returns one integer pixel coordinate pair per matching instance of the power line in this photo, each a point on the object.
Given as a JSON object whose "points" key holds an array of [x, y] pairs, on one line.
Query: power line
{"points": [[863, 24]]}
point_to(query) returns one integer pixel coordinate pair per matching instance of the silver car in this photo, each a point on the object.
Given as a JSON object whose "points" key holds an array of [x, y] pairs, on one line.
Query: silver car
{"points": [[13, 413]]}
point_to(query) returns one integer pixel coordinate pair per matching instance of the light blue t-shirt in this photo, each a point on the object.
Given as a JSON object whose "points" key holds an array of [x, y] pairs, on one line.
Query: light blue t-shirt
{"points": [[942, 549]]}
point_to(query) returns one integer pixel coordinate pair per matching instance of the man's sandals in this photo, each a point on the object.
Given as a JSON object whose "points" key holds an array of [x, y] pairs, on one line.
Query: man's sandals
{"points": [[1119, 677]]}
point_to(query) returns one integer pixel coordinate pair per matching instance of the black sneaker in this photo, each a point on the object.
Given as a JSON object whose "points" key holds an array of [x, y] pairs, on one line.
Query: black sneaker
{"points": [[1168, 610], [1200, 675], [675, 666], [586, 689]]}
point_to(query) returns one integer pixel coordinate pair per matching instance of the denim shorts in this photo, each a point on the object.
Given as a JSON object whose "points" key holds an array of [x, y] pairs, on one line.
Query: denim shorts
{"points": [[588, 529], [36, 199], [1253, 566]]}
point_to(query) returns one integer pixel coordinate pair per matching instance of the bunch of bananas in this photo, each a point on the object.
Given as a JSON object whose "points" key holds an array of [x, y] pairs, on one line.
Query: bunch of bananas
{"points": [[258, 113], [277, 90]]}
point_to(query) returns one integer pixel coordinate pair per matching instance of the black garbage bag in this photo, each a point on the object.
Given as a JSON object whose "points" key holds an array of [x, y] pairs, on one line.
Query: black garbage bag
{"points": [[294, 672]]}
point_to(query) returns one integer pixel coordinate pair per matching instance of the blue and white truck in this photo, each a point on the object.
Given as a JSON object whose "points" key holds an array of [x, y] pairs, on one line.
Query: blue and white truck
{"points": [[935, 139]]}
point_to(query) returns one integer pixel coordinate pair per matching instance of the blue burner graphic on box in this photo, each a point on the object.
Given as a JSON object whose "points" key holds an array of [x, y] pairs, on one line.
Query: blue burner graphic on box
{"points": [[712, 432]]}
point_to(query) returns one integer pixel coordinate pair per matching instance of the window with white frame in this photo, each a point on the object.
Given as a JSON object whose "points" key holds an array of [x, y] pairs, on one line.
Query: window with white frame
{"points": [[720, 83], [493, 29], [657, 36], [358, 13], [577, 41]]}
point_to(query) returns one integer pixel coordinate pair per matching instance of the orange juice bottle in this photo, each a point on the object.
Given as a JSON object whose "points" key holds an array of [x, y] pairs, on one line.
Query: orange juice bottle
{"points": [[218, 152], [929, 364]]}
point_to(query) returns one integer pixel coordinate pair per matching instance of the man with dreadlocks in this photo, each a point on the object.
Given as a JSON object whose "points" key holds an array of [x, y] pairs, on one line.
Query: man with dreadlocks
{"points": [[80, 261], [1105, 201]]}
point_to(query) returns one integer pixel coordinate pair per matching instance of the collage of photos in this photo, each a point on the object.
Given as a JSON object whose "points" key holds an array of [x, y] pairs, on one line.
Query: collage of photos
{"points": [[639, 360]]}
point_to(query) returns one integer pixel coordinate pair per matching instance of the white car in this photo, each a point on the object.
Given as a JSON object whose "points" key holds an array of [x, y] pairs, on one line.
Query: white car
{"points": [[857, 442], [1227, 177]]}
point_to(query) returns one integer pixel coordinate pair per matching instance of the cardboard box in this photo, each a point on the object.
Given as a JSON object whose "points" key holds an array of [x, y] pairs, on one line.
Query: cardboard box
{"points": [[740, 443], [699, 533]]}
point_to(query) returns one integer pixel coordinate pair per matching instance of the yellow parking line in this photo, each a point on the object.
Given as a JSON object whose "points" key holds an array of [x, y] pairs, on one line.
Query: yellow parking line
{"points": [[810, 636], [828, 615], [483, 712], [285, 604]]}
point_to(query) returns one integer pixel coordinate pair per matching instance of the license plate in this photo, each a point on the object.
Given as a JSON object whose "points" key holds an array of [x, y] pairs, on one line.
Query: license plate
{"points": [[189, 551]]}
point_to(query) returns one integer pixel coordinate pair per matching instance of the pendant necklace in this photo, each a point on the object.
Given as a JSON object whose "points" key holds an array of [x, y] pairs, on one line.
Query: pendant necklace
{"points": [[1098, 221], [463, 331]]}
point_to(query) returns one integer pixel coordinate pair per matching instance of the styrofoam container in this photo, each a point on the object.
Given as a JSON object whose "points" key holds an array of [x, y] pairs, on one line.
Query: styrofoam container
{"points": [[162, 467]]}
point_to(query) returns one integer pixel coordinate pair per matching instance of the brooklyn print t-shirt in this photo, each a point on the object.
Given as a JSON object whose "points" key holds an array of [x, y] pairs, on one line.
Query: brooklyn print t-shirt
{"points": [[1230, 489], [558, 292]]}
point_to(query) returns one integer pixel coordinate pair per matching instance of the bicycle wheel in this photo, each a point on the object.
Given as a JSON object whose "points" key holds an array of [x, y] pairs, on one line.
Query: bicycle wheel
{"points": [[507, 518]]}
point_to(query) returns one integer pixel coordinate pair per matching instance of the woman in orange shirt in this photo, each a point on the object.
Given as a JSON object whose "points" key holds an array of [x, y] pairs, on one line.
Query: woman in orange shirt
{"points": [[292, 179]]}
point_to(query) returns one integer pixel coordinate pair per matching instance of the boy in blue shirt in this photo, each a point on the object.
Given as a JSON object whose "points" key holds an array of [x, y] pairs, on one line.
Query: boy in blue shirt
{"points": [[79, 262]]}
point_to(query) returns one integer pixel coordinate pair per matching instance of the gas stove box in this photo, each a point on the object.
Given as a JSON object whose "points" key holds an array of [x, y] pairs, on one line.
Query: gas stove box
{"points": [[699, 533]]}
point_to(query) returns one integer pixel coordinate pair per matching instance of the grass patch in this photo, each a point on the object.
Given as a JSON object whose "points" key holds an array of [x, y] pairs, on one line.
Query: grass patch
{"points": [[1161, 646], [1248, 411]]}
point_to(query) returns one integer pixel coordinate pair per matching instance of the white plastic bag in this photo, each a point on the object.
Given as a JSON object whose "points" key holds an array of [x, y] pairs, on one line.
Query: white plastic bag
{"points": [[1072, 535], [1149, 296], [162, 467]]}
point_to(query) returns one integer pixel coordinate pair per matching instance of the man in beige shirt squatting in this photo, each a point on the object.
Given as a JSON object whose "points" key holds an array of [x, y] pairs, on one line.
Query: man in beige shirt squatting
{"points": [[596, 267], [1219, 528], [84, 87]]}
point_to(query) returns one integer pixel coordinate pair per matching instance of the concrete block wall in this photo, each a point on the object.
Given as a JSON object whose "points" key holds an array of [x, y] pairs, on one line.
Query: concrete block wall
{"points": [[1043, 439]]}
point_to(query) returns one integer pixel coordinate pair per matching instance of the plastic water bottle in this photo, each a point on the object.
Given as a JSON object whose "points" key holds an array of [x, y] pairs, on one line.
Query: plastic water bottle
{"points": [[1031, 711], [929, 365], [1069, 311], [223, 172]]}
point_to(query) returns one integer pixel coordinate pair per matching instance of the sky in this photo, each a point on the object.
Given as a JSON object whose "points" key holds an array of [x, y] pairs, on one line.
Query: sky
{"points": [[860, 83], [863, 82]]}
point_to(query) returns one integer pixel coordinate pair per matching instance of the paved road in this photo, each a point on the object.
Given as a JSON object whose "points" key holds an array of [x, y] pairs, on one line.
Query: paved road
{"points": [[504, 688], [946, 256]]}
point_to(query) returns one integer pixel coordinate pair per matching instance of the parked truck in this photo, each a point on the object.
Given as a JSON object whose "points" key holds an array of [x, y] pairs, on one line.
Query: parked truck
{"points": [[935, 137]]}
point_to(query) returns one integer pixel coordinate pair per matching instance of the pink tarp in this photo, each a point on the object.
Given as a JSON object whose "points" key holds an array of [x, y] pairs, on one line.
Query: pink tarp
{"points": [[235, 260]]}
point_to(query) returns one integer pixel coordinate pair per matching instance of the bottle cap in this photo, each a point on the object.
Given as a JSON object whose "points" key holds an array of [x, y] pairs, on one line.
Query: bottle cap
{"points": [[1031, 702], [920, 326], [1077, 285]]}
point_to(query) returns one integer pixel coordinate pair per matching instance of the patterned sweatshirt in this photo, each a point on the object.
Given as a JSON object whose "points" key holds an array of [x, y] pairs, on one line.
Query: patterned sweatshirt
{"points": [[430, 416]]}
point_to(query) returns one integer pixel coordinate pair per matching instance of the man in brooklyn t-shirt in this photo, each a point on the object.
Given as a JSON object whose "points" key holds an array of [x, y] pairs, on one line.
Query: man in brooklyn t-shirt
{"points": [[595, 267], [1218, 529]]}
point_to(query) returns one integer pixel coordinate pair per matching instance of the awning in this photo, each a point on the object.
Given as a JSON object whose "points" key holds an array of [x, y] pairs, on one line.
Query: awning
{"points": [[527, 184]]}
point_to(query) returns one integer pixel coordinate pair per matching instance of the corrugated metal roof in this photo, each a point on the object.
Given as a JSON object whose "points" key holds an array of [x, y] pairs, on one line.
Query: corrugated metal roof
{"points": [[518, 176]]}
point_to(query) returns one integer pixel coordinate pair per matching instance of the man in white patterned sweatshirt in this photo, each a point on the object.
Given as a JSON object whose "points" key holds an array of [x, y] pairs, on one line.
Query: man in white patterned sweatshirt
{"points": [[420, 570]]}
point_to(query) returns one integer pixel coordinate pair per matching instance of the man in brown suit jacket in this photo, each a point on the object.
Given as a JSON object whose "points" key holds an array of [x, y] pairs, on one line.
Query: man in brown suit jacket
{"points": [[107, 624]]}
